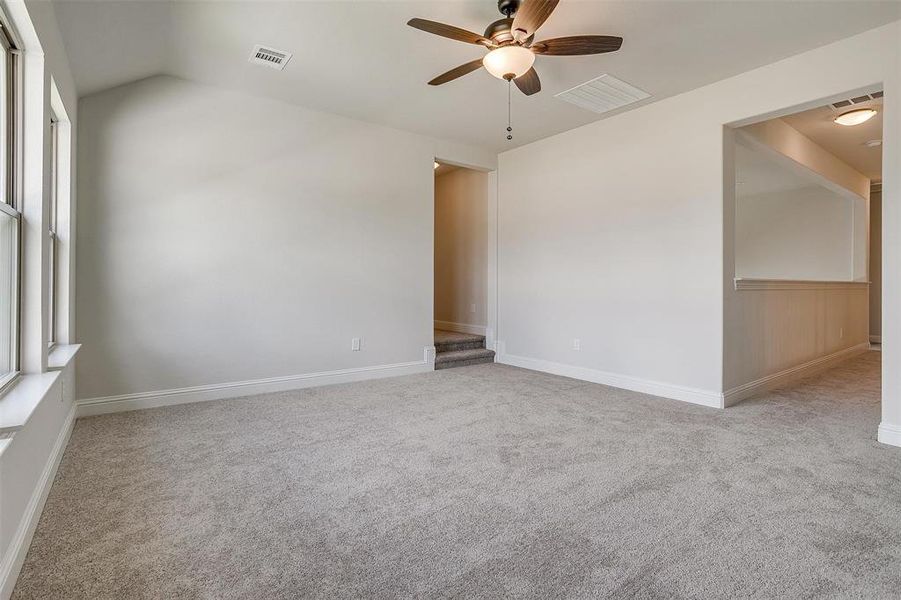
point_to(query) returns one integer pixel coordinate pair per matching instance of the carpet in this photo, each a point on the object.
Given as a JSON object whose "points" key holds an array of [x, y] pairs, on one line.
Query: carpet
{"points": [[484, 481]]}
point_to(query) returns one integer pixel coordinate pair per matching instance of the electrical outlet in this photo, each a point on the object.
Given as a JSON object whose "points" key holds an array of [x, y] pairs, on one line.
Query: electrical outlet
{"points": [[472, 308], [356, 344], [577, 344]]}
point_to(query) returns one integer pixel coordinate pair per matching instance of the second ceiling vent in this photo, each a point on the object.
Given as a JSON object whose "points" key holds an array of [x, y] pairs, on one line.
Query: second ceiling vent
{"points": [[274, 59], [857, 100]]}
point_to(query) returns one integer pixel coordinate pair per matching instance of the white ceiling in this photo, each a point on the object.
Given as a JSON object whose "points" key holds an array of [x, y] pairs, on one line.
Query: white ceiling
{"points": [[847, 143], [359, 59]]}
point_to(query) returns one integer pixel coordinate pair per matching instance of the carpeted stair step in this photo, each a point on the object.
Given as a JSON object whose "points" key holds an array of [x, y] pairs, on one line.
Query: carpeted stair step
{"points": [[451, 341], [463, 358]]}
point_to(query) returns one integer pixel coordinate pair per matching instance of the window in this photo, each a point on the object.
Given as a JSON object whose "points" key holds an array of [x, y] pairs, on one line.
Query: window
{"points": [[54, 240], [9, 214]]}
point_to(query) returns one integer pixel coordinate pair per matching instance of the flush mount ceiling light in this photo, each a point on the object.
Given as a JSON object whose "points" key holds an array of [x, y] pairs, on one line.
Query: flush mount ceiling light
{"points": [[855, 117], [509, 62], [872, 143]]}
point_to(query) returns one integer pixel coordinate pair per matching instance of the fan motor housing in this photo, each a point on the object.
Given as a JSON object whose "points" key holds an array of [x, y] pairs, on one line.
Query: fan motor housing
{"points": [[500, 31]]}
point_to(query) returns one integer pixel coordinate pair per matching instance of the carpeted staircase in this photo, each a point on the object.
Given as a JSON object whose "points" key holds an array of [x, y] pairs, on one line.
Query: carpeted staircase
{"points": [[460, 349]]}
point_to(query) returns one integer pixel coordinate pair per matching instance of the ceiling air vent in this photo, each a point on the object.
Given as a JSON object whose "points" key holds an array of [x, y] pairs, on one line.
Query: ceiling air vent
{"points": [[276, 59], [857, 100], [603, 94]]}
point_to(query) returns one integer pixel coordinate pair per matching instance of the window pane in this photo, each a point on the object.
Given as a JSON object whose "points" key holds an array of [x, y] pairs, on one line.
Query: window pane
{"points": [[54, 171], [5, 101], [52, 320], [9, 277]]}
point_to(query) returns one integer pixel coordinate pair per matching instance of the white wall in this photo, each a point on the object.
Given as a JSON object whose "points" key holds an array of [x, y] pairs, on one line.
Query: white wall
{"points": [[227, 238], [614, 233], [772, 153], [461, 250], [804, 233]]}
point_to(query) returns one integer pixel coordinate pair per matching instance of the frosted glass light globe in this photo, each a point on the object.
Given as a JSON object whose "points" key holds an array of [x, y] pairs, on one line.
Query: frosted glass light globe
{"points": [[855, 117], [509, 60]]}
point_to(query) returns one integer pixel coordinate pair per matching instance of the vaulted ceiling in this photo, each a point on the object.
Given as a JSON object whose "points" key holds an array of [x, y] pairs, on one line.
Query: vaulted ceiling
{"points": [[359, 59]]}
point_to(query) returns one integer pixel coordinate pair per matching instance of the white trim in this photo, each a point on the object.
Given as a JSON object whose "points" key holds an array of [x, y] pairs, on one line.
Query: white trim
{"points": [[742, 283], [889, 434], [236, 389], [61, 355], [655, 388], [18, 548], [875, 339], [23, 398], [752, 388], [460, 327]]}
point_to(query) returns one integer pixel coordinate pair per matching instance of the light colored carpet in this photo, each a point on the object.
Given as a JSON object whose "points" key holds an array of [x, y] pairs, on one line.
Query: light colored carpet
{"points": [[483, 481]]}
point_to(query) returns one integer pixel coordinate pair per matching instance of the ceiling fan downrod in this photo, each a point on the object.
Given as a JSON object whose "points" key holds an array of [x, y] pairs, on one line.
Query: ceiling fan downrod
{"points": [[508, 8], [509, 111]]}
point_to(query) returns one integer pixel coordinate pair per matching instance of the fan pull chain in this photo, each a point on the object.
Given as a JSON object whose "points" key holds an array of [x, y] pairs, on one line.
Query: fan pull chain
{"points": [[509, 118]]}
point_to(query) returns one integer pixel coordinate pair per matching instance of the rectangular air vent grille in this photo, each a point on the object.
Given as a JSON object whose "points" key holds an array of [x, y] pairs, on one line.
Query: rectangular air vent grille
{"points": [[276, 59], [603, 94], [857, 100]]}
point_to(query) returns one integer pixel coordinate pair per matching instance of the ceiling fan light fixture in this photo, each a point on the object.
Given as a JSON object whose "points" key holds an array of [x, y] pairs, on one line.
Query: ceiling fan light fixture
{"points": [[855, 117], [509, 61]]}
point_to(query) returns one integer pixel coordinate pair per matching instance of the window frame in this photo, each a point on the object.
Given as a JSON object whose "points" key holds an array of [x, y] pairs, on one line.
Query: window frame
{"points": [[9, 202]]}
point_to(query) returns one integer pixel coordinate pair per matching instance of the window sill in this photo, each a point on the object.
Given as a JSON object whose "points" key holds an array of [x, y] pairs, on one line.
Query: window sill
{"points": [[61, 355], [796, 284], [19, 403], [26, 393]]}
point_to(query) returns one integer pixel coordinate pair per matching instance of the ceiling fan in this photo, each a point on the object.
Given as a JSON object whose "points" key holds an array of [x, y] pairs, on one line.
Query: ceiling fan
{"points": [[511, 44]]}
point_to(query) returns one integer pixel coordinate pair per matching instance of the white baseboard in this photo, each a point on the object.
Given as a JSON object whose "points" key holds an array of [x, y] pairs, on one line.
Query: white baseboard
{"points": [[758, 386], [889, 434], [18, 548], [875, 339], [236, 389], [627, 382], [460, 327]]}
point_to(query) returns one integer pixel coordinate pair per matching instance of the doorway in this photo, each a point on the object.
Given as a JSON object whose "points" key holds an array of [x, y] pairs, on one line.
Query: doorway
{"points": [[803, 208], [462, 255]]}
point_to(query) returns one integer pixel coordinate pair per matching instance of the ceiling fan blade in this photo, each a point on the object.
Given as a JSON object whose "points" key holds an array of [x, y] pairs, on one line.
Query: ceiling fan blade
{"points": [[577, 45], [448, 31], [530, 16], [528, 83], [457, 72]]}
